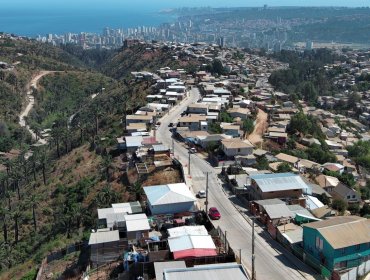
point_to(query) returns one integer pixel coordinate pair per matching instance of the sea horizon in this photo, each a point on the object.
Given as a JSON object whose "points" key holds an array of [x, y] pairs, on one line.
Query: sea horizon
{"points": [[39, 17]]}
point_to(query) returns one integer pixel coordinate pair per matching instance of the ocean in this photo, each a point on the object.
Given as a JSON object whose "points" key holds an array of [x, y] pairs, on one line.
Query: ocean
{"points": [[41, 17]]}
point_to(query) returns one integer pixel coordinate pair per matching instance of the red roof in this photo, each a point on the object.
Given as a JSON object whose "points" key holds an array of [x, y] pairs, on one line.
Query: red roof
{"points": [[149, 140], [194, 253]]}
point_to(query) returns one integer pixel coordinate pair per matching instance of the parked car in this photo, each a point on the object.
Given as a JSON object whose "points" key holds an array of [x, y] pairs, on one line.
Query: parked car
{"points": [[214, 214], [201, 194], [192, 150]]}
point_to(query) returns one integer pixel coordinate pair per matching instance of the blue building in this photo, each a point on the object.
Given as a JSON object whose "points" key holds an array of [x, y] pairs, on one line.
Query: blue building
{"points": [[338, 243]]}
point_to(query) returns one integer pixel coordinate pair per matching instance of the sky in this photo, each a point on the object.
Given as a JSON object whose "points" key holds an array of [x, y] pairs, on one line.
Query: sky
{"points": [[161, 4]]}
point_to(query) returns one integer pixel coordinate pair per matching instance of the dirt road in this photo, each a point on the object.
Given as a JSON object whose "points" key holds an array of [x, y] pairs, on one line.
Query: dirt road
{"points": [[31, 103], [260, 127]]}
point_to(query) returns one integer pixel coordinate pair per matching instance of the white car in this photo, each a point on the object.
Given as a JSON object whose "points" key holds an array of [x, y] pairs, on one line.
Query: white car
{"points": [[201, 194]]}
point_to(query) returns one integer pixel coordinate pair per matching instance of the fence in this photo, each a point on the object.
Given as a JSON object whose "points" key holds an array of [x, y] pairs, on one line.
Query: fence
{"points": [[57, 255], [353, 273], [311, 261]]}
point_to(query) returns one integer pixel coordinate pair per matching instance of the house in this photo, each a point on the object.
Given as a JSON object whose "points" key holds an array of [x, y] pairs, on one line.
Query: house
{"points": [[191, 245], [136, 127], [191, 121], [231, 129], [137, 227], [339, 242], [198, 108], [242, 113], [323, 212], [220, 271], [344, 192], [286, 186], [147, 119], [159, 267], [169, 199], [272, 213], [337, 189], [105, 246], [236, 147]]}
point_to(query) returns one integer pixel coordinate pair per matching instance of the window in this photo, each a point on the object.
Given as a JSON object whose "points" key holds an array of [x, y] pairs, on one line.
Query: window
{"points": [[343, 251], [319, 243], [238, 150], [348, 196], [353, 196], [358, 246]]}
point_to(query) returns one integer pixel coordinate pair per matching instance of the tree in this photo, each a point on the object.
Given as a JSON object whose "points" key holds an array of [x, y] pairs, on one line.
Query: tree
{"points": [[324, 199], [44, 160], [16, 215], [248, 126], [339, 205], [33, 202], [284, 167], [214, 128], [262, 163], [137, 190], [365, 210], [4, 213], [106, 165]]}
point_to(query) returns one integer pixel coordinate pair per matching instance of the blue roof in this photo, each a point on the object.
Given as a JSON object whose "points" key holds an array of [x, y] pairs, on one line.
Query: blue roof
{"points": [[169, 194], [279, 182]]}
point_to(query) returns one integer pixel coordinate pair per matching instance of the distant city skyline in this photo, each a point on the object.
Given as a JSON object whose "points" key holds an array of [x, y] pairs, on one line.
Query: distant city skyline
{"points": [[161, 4]]}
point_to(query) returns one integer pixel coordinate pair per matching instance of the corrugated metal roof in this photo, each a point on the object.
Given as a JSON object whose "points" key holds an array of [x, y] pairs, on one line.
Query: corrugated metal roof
{"points": [[207, 272], [122, 207], [168, 194], [342, 232], [191, 253], [137, 222], [186, 242], [313, 202], [133, 141], [159, 267], [104, 236], [279, 182], [276, 211], [187, 230]]}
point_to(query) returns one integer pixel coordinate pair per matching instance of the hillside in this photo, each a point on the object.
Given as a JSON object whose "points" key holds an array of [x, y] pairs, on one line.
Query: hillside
{"points": [[49, 194]]}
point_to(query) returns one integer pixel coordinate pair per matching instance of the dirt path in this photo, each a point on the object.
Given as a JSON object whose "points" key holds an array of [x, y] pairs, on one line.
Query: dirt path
{"points": [[260, 127], [31, 103]]}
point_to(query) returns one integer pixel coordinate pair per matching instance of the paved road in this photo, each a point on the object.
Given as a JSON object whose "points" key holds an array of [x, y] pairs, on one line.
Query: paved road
{"points": [[272, 260]]}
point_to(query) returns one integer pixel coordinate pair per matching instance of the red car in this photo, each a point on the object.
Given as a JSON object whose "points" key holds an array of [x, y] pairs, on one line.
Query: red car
{"points": [[214, 214]]}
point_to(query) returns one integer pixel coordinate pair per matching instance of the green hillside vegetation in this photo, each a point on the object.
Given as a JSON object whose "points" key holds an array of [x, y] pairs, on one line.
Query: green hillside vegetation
{"points": [[34, 55], [50, 199], [138, 58]]}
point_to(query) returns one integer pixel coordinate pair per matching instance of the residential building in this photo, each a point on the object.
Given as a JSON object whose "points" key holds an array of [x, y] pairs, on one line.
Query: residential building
{"points": [[339, 242], [242, 113], [286, 186], [169, 199], [236, 147], [191, 121], [198, 108]]}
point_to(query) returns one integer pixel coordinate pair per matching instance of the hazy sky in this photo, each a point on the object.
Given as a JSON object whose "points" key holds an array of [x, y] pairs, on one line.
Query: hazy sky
{"points": [[88, 4]]}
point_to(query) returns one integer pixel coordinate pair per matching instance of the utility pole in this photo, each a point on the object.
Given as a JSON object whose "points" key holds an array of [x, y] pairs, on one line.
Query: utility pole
{"points": [[206, 202], [189, 163], [253, 256]]}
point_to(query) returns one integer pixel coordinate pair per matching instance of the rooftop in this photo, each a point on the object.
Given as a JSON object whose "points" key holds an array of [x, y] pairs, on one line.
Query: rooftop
{"points": [[236, 143], [279, 182], [345, 231], [207, 272], [104, 236], [167, 194]]}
